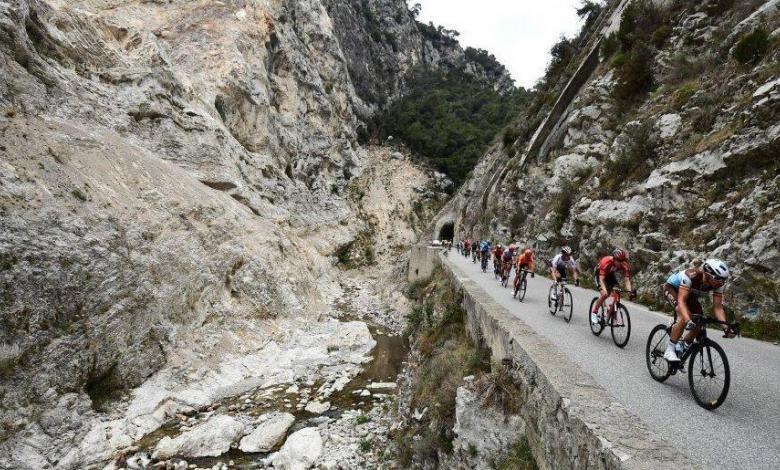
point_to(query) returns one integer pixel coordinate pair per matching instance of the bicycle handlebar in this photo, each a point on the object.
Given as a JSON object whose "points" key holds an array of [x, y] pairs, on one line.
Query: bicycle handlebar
{"points": [[734, 326]]}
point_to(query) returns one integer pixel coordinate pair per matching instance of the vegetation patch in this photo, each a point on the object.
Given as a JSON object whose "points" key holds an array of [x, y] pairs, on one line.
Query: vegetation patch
{"points": [[634, 161], [518, 458], [752, 47], [448, 120], [446, 354]]}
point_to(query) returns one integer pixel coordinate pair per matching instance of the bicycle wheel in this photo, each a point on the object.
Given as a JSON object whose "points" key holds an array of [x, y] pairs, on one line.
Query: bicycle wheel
{"points": [[552, 304], [620, 325], [654, 353], [567, 306], [598, 327], [504, 279], [523, 288], [709, 375]]}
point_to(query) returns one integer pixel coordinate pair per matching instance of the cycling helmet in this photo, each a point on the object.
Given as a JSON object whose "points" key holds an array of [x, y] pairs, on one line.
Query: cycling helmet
{"points": [[529, 251], [566, 250], [498, 245], [620, 255], [717, 269]]}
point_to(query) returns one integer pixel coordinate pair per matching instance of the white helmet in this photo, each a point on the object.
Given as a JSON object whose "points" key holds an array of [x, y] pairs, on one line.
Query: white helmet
{"points": [[717, 269], [566, 250]]}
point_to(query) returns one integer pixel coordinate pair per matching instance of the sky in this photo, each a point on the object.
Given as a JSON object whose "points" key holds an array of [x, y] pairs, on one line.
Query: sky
{"points": [[519, 33]]}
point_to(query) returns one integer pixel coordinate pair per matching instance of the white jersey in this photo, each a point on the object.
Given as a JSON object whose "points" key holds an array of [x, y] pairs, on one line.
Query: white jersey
{"points": [[559, 263]]}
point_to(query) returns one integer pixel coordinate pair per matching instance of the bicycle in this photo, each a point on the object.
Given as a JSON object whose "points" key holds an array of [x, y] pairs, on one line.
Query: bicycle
{"points": [[474, 256], [521, 286], [484, 262], [559, 303], [506, 270], [709, 376], [497, 268], [616, 317]]}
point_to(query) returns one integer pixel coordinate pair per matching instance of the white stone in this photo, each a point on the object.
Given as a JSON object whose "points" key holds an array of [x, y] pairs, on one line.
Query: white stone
{"points": [[382, 385], [669, 125], [300, 450], [268, 434], [316, 407], [210, 439]]}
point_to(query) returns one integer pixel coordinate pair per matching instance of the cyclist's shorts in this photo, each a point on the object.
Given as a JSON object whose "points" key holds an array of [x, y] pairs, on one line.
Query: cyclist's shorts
{"points": [[694, 306], [561, 272]]}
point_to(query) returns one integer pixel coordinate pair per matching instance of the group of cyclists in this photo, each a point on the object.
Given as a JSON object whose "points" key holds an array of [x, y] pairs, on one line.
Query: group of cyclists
{"points": [[682, 289]]}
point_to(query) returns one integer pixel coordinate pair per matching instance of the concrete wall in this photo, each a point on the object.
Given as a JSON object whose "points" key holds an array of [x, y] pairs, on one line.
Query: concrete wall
{"points": [[570, 420], [422, 260]]}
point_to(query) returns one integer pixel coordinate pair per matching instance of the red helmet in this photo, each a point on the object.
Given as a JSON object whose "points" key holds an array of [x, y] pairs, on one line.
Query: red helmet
{"points": [[620, 255]]}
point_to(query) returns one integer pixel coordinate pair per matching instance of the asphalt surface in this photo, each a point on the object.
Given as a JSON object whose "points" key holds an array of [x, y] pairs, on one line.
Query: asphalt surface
{"points": [[744, 432]]}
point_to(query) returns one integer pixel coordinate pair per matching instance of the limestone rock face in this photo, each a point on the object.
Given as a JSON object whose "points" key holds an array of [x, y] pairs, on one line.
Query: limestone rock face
{"points": [[268, 434], [484, 435], [174, 194], [210, 439]]}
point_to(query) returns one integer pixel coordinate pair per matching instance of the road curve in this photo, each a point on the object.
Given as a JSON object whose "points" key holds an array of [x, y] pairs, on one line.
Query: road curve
{"points": [[743, 433]]}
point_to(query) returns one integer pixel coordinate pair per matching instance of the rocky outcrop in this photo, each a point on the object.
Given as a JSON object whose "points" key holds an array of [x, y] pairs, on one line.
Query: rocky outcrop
{"points": [[175, 197], [684, 172], [300, 450]]}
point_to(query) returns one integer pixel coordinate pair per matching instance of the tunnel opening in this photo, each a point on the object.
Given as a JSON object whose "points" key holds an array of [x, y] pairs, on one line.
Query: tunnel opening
{"points": [[447, 231]]}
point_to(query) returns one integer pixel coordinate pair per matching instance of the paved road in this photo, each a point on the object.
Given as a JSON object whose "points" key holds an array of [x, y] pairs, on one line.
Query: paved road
{"points": [[743, 433]]}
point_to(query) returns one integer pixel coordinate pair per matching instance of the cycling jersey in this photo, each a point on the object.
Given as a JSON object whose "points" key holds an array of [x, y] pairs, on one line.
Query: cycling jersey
{"points": [[497, 252], [608, 266], [484, 246], [507, 256], [559, 263], [525, 260], [692, 279]]}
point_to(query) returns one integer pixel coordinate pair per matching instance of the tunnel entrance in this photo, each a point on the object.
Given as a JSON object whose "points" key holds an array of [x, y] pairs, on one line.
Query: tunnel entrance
{"points": [[447, 231]]}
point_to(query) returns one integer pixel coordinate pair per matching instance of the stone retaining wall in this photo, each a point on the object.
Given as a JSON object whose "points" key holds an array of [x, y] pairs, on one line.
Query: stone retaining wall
{"points": [[571, 421]]}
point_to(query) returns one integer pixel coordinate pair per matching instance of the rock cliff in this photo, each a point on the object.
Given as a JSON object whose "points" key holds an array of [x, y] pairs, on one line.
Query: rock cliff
{"points": [[686, 168], [180, 183]]}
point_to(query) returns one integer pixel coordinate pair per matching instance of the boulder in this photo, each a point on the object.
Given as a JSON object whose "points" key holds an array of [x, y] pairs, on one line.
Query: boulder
{"points": [[268, 434], [210, 439], [300, 451]]}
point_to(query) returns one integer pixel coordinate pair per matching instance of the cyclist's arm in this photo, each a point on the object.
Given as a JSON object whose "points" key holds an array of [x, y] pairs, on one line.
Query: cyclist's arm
{"points": [[602, 284], [682, 301], [717, 307]]}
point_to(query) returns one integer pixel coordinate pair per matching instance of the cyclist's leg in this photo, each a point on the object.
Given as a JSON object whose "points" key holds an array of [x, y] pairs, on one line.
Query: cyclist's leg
{"points": [[682, 320], [696, 312]]}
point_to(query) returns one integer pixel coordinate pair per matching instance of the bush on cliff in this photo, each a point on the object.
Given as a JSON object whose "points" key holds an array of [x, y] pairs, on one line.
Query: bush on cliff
{"points": [[752, 47], [634, 73]]}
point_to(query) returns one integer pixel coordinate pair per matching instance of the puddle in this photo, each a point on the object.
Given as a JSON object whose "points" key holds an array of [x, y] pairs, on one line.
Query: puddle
{"points": [[387, 361]]}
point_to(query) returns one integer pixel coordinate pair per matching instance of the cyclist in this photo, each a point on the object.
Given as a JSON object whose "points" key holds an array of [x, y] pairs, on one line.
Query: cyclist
{"points": [[498, 251], [682, 289], [466, 247], [474, 251], [562, 262], [606, 280], [506, 261], [524, 261], [484, 250]]}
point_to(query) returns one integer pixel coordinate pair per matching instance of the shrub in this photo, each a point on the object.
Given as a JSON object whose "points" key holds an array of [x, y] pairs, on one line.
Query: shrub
{"points": [[518, 458], [635, 160], [511, 134], [609, 45], [362, 419], [366, 445], [634, 73], [499, 390], [704, 119], [683, 94], [685, 67], [660, 36], [9, 358], [718, 7], [752, 47], [562, 205]]}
